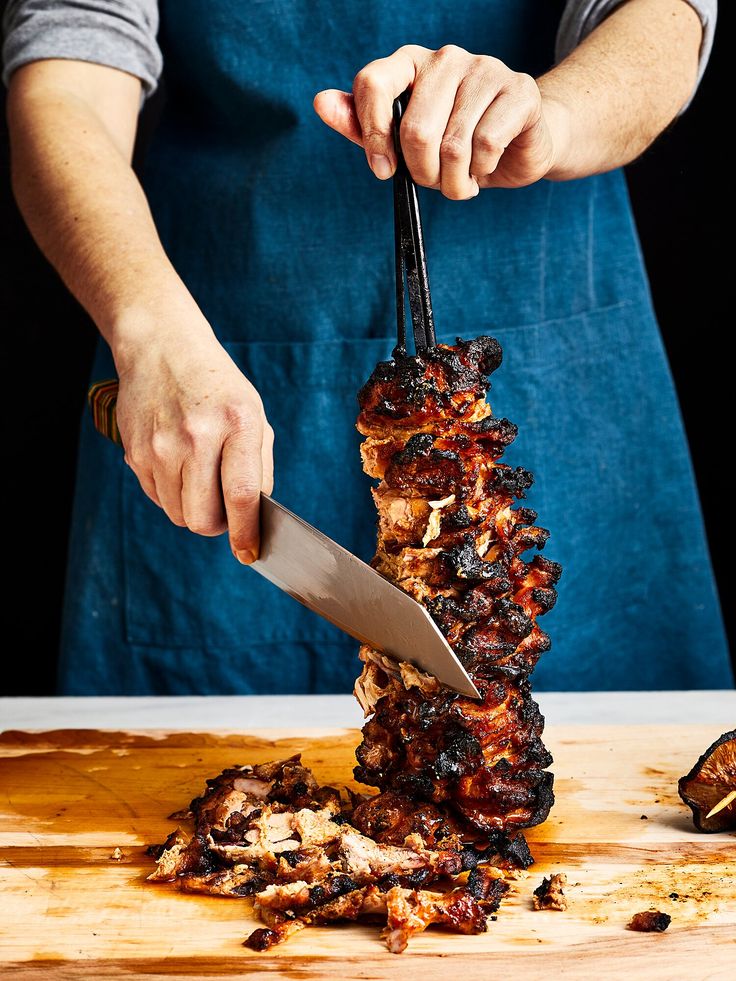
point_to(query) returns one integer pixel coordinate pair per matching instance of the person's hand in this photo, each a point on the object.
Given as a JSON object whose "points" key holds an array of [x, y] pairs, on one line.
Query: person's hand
{"points": [[471, 121], [196, 436]]}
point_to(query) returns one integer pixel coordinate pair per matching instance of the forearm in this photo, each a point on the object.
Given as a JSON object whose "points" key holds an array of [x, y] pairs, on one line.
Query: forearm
{"points": [[74, 184], [622, 86]]}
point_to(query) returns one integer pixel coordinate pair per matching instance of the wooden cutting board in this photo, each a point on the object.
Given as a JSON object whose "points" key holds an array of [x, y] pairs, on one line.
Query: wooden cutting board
{"points": [[72, 905]]}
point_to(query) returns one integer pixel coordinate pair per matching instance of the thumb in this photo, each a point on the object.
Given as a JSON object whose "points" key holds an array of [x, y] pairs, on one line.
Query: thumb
{"points": [[337, 110], [242, 479]]}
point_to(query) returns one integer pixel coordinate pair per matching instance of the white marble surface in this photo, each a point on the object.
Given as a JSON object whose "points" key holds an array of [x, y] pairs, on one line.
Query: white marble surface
{"points": [[341, 711]]}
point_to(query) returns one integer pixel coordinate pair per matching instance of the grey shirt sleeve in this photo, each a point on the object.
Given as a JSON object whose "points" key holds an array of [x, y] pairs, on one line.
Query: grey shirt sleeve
{"points": [[122, 33], [580, 17], [117, 33]]}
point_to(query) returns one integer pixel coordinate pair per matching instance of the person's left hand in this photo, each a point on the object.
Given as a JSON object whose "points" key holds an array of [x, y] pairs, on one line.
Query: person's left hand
{"points": [[471, 121]]}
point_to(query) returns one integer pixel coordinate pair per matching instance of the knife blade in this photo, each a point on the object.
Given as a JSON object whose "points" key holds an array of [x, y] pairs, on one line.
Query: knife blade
{"points": [[328, 579], [333, 582]]}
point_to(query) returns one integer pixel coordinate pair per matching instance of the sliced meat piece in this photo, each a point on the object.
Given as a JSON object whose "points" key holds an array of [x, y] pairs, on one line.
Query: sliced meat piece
{"points": [[389, 817], [309, 864], [236, 883], [549, 894], [410, 911], [316, 827], [170, 860], [301, 897], [367, 861], [279, 927]]}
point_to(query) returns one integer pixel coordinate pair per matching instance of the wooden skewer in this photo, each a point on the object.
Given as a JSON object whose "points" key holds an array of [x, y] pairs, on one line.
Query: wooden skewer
{"points": [[721, 804]]}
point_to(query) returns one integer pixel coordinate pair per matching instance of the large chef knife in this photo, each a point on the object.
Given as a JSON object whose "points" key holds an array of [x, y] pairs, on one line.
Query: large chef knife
{"points": [[333, 582]]}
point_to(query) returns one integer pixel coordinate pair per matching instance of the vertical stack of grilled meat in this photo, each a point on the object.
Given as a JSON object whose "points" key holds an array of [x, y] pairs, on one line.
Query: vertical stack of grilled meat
{"points": [[450, 536]]}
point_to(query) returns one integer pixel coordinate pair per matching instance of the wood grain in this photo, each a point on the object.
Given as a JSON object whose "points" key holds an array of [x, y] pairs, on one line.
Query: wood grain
{"points": [[68, 909]]}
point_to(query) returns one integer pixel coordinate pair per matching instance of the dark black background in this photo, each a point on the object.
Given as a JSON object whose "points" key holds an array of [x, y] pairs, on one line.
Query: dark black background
{"points": [[680, 190]]}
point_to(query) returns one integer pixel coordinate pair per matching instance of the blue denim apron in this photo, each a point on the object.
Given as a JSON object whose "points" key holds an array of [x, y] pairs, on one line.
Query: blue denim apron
{"points": [[285, 240]]}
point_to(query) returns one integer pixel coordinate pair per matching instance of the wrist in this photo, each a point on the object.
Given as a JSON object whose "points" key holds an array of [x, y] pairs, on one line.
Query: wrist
{"points": [[142, 331], [558, 117]]}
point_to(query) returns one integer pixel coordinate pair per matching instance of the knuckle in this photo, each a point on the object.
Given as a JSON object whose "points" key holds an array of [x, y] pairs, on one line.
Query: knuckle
{"points": [[492, 64], [415, 135], [410, 50], [161, 449], [452, 148], [486, 144], [367, 82], [526, 87], [208, 527], [373, 136], [448, 51], [242, 493], [423, 180], [243, 419], [133, 458], [137, 454], [198, 431]]}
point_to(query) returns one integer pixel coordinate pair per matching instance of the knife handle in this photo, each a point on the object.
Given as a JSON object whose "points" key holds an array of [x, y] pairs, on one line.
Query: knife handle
{"points": [[102, 398]]}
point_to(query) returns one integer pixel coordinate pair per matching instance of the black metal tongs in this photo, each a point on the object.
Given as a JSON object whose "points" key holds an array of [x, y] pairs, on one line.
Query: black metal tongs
{"points": [[410, 258]]}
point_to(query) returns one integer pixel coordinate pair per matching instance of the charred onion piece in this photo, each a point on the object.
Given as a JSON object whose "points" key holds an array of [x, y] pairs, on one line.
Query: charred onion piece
{"points": [[709, 789]]}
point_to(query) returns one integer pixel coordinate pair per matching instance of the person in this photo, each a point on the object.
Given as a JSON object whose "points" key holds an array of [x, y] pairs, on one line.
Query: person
{"points": [[246, 289]]}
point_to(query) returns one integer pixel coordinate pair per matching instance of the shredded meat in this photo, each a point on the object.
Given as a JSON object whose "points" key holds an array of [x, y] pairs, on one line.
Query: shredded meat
{"points": [[304, 863], [549, 894]]}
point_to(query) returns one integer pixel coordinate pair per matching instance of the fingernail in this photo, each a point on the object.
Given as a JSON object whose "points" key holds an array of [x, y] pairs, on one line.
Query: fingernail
{"points": [[381, 166], [244, 556]]}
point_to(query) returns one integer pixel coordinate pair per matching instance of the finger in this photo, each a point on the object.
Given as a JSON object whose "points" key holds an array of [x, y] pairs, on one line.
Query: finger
{"points": [[337, 110], [145, 479], [374, 89], [474, 94], [267, 460], [241, 475], [427, 115], [533, 153], [510, 113], [201, 494], [168, 490]]}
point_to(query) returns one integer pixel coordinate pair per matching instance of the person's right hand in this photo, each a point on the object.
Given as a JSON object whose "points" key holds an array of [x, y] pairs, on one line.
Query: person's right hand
{"points": [[196, 437]]}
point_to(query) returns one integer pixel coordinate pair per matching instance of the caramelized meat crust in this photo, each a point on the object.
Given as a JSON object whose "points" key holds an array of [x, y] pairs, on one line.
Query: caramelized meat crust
{"points": [[271, 833], [451, 534]]}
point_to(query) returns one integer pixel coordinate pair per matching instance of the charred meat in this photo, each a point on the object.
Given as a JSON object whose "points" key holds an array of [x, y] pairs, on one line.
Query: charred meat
{"points": [[650, 921], [550, 894], [450, 534], [271, 833]]}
